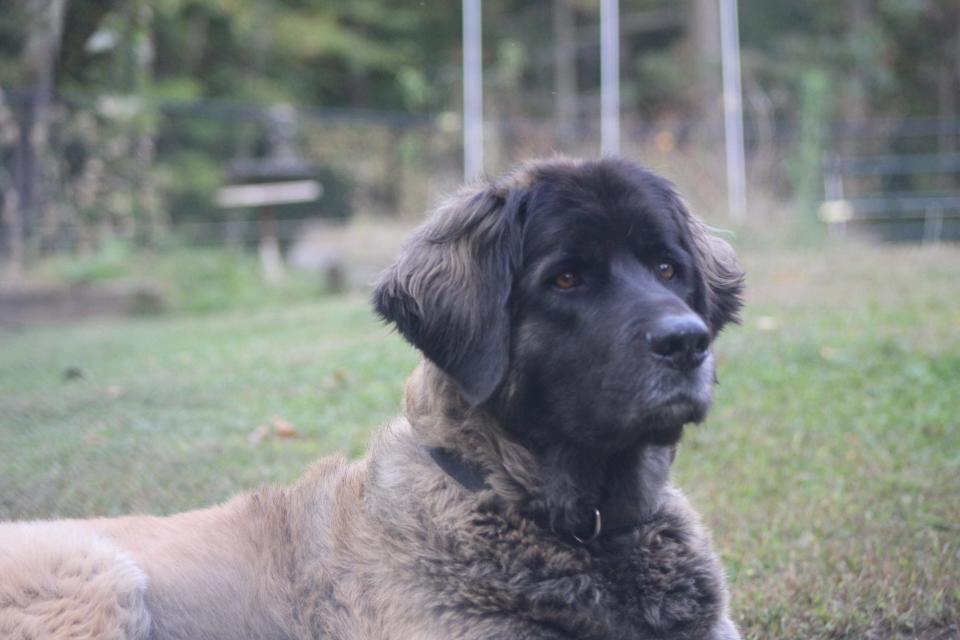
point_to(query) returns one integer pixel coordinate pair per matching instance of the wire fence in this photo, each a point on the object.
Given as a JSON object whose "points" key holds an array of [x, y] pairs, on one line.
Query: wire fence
{"points": [[116, 166]]}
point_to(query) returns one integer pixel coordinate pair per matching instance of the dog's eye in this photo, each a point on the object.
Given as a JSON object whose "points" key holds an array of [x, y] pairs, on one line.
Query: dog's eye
{"points": [[666, 270], [566, 280]]}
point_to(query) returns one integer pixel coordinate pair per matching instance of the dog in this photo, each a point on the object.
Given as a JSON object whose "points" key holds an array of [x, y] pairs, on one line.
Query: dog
{"points": [[566, 313]]}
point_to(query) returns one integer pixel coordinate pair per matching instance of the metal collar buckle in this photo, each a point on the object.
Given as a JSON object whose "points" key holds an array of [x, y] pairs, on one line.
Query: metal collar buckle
{"points": [[597, 528]]}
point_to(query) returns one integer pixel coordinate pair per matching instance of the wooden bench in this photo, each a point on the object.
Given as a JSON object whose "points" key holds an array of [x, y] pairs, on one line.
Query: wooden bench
{"points": [[915, 197]]}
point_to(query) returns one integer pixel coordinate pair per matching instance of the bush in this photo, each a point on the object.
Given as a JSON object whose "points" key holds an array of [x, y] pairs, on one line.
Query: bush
{"points": [[192, 279]]}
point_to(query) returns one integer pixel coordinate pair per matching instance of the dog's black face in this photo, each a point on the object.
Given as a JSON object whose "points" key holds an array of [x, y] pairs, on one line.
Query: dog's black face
{"points": [[577, 303], [610, 343]]}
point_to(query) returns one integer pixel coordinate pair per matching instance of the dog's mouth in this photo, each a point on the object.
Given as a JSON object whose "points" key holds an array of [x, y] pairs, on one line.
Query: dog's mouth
{"points": [[663, 421], [683, 407], [686, 400]]}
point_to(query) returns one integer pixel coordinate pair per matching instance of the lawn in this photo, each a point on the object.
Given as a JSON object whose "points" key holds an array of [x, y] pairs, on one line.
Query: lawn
{"points": [[829, 469]]}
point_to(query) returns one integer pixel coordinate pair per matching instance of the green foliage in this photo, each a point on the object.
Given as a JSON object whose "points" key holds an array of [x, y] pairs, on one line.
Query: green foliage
{"points": [[192, 280], [885, 58], [396, 55], [337, 200], [889, 57], [211, 279], [661, 78], [191, 178], [110, 261], [805, 166], [13, 38]]}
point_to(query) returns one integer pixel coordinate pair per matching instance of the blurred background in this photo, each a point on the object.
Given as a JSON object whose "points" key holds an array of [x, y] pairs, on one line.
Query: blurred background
{"points": [[196, 194]]}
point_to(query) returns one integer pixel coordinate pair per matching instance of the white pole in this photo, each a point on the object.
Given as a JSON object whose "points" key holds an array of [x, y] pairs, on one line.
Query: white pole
{"points": [[733, 110], [609, 77], [472, 91]]}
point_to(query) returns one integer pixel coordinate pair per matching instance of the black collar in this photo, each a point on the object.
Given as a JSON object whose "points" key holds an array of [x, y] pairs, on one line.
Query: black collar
{"points": [[473, 478], [468, 474]]}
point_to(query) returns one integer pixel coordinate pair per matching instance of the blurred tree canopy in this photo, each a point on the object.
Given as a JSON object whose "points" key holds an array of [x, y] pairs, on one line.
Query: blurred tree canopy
{"points": [[115, 62], [364, 53], [886, 57]]}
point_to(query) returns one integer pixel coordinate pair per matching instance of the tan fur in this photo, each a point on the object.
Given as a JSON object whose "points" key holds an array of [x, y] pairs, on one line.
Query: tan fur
{"points": [[340, 554], [61, 580]]}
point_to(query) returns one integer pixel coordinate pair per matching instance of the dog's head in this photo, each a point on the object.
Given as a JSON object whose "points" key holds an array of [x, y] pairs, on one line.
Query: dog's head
{"points": [[576, 300]]}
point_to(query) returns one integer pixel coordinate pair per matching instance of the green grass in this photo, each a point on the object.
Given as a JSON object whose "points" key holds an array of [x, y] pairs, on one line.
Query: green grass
{"points": [[161, 417], [829, 469]]}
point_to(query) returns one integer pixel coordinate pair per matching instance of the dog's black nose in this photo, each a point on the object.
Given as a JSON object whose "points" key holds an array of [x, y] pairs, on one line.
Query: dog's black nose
{"points": [[681, 341]]}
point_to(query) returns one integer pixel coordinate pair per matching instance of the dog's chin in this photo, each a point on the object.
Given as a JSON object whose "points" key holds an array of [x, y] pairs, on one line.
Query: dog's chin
{"points": [[662, 436], [664, 423]]}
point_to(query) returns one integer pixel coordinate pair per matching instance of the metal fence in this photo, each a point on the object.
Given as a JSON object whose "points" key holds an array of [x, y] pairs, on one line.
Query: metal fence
{"points": [[900, 179], [112, 165]]}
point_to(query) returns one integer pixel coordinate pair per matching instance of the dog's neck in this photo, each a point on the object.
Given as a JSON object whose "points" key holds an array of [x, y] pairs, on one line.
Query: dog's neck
{"points": [[561, 486]]}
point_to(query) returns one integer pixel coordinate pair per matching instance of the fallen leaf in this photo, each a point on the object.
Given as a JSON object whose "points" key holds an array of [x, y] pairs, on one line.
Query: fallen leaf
{"points": [[766, 323], [336, 380], [283, 428], [790, 276], [665, 141], [257, 435]]}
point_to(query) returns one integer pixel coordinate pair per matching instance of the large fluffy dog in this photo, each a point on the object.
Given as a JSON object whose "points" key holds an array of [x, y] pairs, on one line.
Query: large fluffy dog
{"points": [[566, 313]]}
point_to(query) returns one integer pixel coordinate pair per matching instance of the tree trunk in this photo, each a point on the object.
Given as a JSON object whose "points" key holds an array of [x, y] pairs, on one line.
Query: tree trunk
{"points": [[855, 100], [151, 222], [704, 31], [564, 70], [43, 43]]}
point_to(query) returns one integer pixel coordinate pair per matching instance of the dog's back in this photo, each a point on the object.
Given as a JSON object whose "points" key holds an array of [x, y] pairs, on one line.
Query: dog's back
{"points": [[211, 573]]}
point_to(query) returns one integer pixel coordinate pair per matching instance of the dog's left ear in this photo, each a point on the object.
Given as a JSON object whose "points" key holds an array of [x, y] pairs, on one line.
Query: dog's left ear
{"points": [[448, 293], [721, 275]]}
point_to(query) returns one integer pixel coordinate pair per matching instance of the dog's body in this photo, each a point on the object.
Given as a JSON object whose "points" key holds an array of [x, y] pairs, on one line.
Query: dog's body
{"points": [[515, 499]]}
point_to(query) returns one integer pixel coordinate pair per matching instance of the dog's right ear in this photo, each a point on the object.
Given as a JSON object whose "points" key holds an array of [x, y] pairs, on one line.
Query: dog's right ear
{"points": [[448, 294], [721, 273]]}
